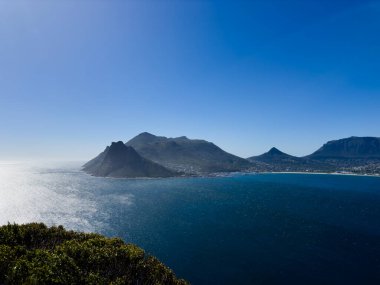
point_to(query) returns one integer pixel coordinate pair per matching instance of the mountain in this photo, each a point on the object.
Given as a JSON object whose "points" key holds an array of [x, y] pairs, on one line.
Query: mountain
{"points": [[349, 148], [187, 155], [354, 154], [274, 155], [147, 155], [276, 160], [119, 160]]}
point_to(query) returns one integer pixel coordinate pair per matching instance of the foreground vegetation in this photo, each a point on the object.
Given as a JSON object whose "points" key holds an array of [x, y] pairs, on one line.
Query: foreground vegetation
{"points": [[36, 254]]}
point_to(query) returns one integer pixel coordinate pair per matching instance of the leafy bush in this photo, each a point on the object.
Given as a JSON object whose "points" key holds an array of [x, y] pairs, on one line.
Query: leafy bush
{"points": [[36, 254]]}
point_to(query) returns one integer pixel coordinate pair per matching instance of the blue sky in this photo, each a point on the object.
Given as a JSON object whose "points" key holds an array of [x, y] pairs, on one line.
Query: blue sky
{"points": [[247, 75]]}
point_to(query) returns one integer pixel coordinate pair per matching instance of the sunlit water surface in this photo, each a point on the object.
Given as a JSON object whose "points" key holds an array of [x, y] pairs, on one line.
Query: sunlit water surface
{"points": [[252, 229]]}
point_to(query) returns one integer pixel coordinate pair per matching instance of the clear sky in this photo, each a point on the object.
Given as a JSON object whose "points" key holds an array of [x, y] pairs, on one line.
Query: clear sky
{"points": [[246, 75]]}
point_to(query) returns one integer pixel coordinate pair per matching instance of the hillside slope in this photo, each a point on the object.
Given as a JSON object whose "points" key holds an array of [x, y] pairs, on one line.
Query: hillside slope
{"points": [[187, 155], [36, 254], [121, 161], [349, 148]]}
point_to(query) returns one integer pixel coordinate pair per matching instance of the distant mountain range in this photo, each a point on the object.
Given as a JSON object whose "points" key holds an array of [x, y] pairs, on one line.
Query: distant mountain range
{"points": [[354, 154], [276, 160], [147, 155]]}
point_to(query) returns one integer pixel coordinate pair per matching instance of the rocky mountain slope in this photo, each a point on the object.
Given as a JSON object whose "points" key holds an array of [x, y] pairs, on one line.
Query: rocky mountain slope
{"points": [[349, 148], [187, 155], [121, 161]]}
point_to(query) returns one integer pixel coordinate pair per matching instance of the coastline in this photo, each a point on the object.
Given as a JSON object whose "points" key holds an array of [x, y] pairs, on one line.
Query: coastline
{"points": [[319, 173], [227, 174]]}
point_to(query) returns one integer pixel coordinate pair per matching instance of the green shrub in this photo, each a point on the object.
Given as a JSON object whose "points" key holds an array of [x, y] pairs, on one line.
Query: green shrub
{"points": [[36, 254]]}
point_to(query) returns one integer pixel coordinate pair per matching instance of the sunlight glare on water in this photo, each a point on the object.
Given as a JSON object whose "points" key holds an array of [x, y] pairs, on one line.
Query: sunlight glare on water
{"points": [[32, 194]]}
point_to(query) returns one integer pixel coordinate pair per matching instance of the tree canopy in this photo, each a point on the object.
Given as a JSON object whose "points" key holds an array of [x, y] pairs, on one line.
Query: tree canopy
{"points": [[37, 254]]}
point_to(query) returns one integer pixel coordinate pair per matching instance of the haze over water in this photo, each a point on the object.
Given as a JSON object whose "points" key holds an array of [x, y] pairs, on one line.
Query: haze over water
{"points": [[266, 228]]}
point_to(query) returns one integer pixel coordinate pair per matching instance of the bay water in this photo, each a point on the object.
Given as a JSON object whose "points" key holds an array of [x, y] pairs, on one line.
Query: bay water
{"points": [[238, 229]]}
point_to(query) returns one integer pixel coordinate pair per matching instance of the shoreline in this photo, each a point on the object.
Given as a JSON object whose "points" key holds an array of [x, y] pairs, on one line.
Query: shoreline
{"points": [[229, 174], [319, 173]]}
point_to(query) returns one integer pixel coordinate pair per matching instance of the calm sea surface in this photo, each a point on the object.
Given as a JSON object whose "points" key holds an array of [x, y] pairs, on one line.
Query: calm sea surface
{"points": [[253, 229]]}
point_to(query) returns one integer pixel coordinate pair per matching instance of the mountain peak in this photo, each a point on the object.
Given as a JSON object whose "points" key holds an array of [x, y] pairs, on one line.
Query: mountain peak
{"points": [[119, 148], [275, 151], [272, 154], [182, 138], [144, 138], [117, 144], [145, 134]]}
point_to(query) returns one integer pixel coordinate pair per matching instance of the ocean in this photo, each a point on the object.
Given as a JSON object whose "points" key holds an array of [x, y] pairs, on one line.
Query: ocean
{"points": [[238, 229]]}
